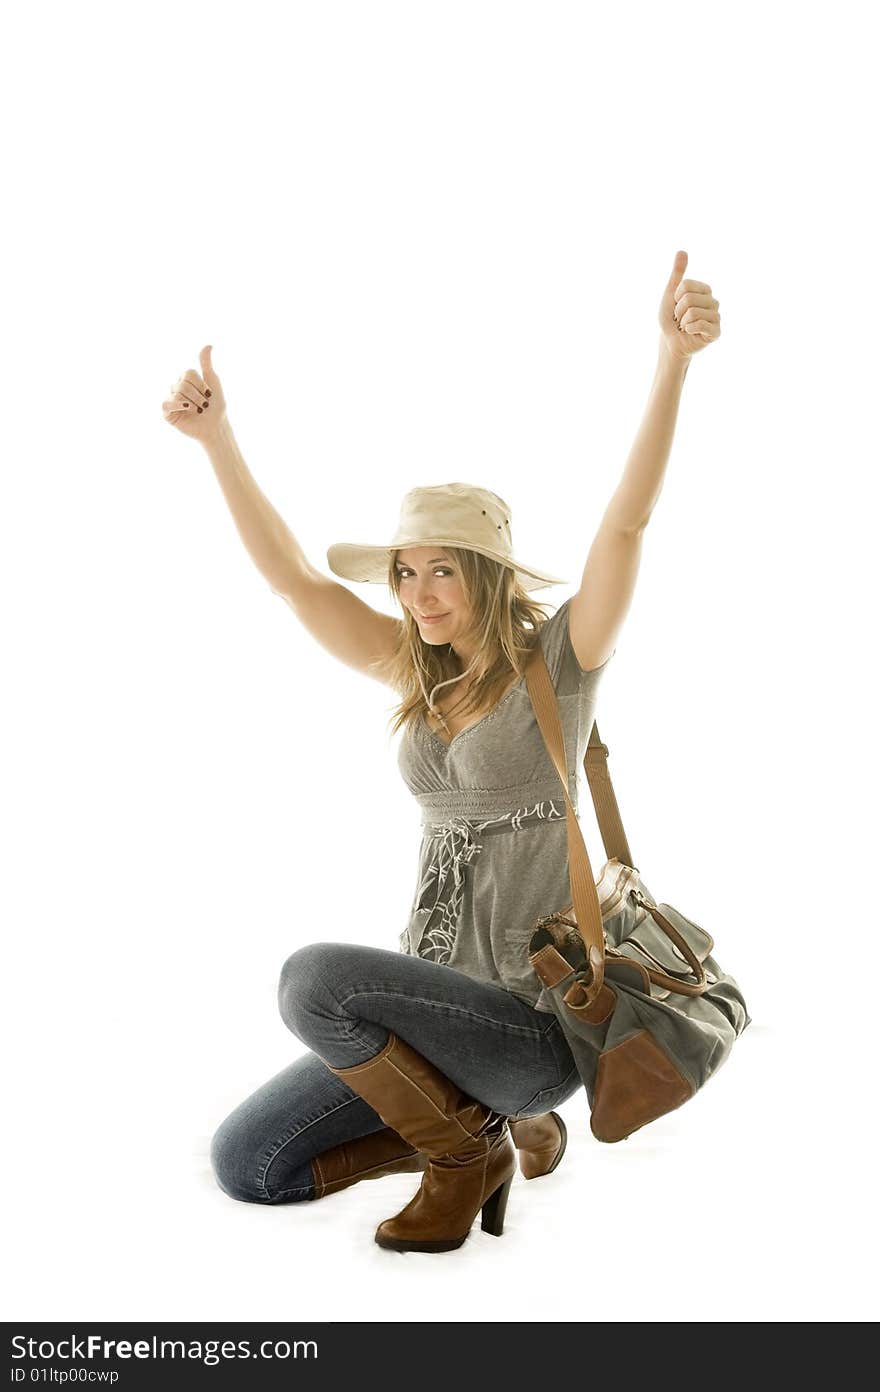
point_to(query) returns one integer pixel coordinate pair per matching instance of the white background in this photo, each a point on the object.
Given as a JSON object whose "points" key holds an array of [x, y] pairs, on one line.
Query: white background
{"points": [[428, 243]]}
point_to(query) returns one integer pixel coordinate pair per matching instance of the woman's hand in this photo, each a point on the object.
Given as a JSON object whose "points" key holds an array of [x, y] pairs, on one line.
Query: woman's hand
{"points": [[689, 317], [197, 405]]}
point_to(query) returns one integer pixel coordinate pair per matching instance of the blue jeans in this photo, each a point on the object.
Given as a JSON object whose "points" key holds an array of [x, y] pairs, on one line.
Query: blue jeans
{"points": [[342, 1000]]}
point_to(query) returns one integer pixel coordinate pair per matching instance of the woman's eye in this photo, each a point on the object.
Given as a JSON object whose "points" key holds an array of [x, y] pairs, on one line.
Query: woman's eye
{"points": [[404, 575]]}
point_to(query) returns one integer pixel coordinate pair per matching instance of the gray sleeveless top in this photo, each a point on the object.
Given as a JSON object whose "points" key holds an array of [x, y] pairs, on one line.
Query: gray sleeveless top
{"points": [[494, 850]]}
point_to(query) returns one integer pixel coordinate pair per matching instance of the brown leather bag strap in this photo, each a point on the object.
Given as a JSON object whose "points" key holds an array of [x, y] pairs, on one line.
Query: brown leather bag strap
{"points": [[583, 886], [585, 897], [605, 801]]}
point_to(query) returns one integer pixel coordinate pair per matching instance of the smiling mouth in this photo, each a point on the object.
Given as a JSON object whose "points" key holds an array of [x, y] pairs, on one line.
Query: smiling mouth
{"points": [[432, 616]]}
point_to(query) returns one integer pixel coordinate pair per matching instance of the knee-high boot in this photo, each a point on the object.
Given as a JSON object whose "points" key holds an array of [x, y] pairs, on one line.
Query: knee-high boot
{"points": [[366, 1157], [540, 1142], [471, 1159]]}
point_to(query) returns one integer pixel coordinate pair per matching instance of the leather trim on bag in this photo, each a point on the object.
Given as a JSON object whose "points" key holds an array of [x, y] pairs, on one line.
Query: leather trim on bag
{"points": [[550, 966], [598, 1011], [636, 1082]]}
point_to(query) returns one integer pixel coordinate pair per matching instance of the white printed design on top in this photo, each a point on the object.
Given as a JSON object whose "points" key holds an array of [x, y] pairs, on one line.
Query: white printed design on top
{"points": [[454, 849]]}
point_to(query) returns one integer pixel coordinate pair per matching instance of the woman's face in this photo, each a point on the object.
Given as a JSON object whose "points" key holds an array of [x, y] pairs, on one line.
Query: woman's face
{"points": [[430, 584]]}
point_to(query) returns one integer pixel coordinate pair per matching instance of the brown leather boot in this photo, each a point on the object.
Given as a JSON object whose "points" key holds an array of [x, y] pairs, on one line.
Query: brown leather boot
{"points": [[366, 1157], [541, 1142], [471, 1158]]}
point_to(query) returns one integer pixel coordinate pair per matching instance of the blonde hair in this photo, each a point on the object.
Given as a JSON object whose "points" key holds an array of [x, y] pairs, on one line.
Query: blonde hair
{"points": [[505, 623]]}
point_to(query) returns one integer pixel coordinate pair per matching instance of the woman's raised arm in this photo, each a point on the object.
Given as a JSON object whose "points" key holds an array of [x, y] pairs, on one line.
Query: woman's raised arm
{"points": [[341, 622]]}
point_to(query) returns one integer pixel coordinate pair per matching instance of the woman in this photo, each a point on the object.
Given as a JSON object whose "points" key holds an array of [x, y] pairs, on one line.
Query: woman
{"points": [[444, 1056]]}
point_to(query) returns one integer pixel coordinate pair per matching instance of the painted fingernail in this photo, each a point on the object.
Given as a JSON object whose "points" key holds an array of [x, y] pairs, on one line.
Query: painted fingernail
{"points": [[207, 391], [199, 409], [207, 404]]}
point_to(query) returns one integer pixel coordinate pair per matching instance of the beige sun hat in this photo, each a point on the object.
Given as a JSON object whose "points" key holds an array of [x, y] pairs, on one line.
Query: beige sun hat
{"points": [[442, 514]]}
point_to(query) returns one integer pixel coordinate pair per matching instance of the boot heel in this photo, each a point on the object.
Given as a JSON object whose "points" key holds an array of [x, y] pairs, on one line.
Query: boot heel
{"points": [[495, 1208]]}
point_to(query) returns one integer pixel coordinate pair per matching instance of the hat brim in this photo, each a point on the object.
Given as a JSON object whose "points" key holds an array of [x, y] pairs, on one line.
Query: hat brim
{"points": [[369, 564]]}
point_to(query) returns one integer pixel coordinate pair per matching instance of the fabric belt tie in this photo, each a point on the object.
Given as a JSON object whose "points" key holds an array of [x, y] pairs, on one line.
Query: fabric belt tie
{"points": [[456, 848]]}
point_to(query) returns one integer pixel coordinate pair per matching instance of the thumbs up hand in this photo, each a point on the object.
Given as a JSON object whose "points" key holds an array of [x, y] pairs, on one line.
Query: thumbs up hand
{"points": [[197, 405], [689, 318]]}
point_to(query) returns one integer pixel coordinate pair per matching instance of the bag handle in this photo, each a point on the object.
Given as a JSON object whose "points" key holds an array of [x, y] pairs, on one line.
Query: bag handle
{"points": [[684, 988], [585, 896]]}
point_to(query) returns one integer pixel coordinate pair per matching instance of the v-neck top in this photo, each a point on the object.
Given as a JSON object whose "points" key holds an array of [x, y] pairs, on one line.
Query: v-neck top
{"points": [[494, 850], [446, 743]]}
